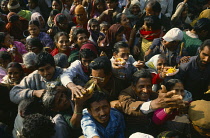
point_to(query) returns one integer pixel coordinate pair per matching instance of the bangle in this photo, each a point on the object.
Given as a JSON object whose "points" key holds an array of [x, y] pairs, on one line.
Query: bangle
{"points": [[77, 113]]}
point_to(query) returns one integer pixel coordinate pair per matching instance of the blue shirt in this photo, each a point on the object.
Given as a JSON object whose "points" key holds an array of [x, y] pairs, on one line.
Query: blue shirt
{"points": [[114, 129]]}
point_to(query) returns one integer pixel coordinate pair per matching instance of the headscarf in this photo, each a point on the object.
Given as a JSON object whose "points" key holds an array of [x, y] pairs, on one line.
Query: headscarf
{"points": [[94, 35], [203, 14], [90, 46], [152, 63], [55, 19], [35, 16], [81, 10], [129, 14], [110, 37]]}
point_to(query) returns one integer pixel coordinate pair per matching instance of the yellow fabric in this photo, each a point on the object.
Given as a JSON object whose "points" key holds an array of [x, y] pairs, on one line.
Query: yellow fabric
{"points": [[144, 47], [203, 14]]}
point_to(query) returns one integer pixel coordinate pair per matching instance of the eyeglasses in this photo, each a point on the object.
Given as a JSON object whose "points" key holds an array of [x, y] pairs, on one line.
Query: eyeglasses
{"points": [[98, 78]]}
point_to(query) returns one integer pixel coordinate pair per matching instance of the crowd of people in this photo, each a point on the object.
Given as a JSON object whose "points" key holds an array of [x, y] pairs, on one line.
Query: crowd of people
{"points": [[104, 68]]}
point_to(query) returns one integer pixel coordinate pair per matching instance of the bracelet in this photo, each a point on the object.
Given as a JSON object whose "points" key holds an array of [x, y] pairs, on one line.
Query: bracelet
{"points": [[77, 113]]}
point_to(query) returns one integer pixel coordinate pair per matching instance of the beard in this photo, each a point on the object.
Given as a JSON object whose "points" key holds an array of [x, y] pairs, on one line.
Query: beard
{"points": [[202, 63]]}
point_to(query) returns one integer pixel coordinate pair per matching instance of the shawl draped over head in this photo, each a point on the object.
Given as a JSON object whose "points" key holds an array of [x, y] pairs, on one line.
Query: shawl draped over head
{"points": [[81, 10], [14, 28], [110, 37], [152, 63], [35, 17], [55, 19]]}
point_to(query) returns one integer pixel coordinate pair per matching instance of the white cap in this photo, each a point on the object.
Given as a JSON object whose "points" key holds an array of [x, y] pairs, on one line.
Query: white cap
{"points": [[175, 34], [140, 135]]}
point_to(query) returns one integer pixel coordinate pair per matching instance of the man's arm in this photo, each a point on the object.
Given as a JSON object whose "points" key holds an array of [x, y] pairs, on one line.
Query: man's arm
{"points": [[88, 126], [29, 87]]}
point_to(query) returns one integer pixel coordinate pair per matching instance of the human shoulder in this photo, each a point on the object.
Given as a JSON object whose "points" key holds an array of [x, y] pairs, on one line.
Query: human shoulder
{"points": [[189, 65]]}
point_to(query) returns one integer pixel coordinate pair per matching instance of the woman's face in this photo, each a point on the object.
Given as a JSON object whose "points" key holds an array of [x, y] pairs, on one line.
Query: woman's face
{"points": [[55, 5], [147, 28], [34, 30], [62, 102], [14, 74], [63, 43], [161, 63], [119, 37], [124, 21], [179, 89], [135, 10], [7, 40], [4, 6]]}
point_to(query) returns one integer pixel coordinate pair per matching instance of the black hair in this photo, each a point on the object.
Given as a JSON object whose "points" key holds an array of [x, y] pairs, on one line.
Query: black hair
{"points": [[61, 60], [153, 21], [119, 45], [2, 25], [202, 24], [205, 43], [102, 62], [61, 18], [48, 98], [54, 12], [29, 106], [2, 37], [155, 5], [118, 18], [44, 58], [34, 41], [104, 24], [58, 35], [143, 73], [38, 126], [59, 2], [113, 1], [78, 31], [34, 22], [5, 55], [171, 83], [96, 97], [13, 18], [86, 53], [93, 20], [35, 1], [15, 65]]}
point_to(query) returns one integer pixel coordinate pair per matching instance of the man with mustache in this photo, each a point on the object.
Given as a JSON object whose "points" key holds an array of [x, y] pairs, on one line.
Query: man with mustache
{"points": [[195, 74], [100, 120], [34, 85]]}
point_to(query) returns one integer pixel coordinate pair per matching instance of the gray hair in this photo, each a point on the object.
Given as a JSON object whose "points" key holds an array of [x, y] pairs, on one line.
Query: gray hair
{"points": [[61, 60], [29, 59]]}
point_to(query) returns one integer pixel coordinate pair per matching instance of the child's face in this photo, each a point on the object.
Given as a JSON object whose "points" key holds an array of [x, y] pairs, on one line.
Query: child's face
{"points": [[179, 89], [123, 53], [104, 29], [55, 5], [68, 2], [94, 26], [125, 21], [14, 74], [4, 63], [31, 4], [147, 28], [77, 2]]}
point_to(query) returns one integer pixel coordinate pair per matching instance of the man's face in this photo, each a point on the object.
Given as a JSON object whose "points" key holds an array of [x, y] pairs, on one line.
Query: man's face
{"points": [[100, 77], [143, 88], [100, 111], [47, 71], [171, 45], [150, 12], [204, 56], [62, 102], [104, 29], [81, 39], [95, 27], [123, 53]]}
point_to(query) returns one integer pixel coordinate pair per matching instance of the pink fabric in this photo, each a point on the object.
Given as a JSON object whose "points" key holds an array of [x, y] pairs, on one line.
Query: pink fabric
{"points": [[2, 73], [159, 116]]}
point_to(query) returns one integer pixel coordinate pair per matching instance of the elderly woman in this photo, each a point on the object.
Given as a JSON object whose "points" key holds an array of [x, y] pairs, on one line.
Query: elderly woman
{"points": [[156, 66], [133, 11], [29, 62]]}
